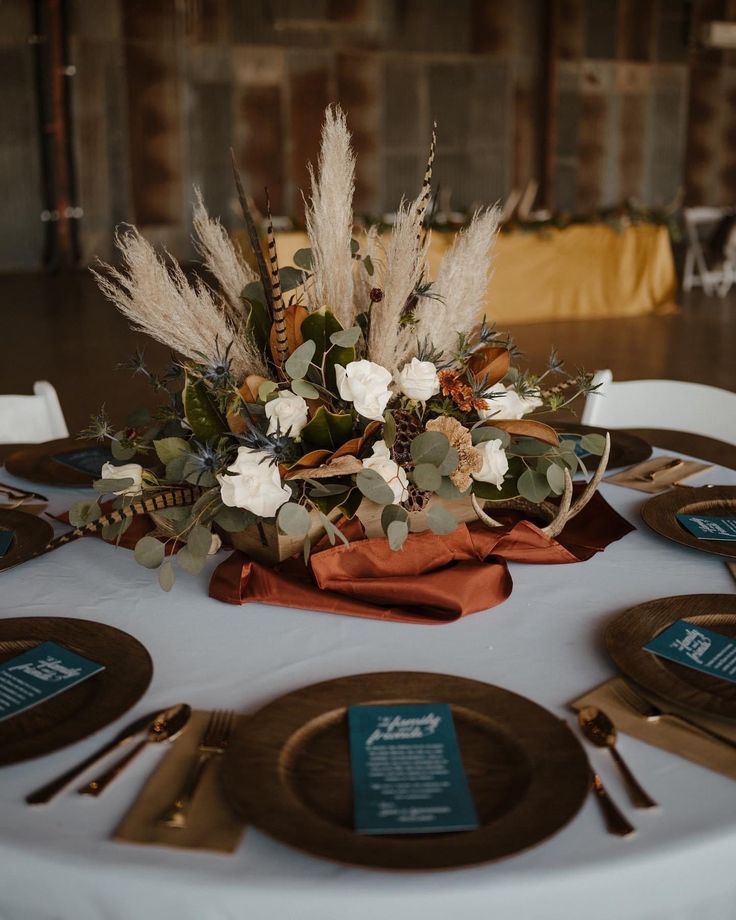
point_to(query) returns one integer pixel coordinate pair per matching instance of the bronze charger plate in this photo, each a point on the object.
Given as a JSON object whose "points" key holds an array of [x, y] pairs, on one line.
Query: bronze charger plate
{"points": [[287, 771], [81, 710], [660, 513], [627, 635], [31, 533], [36, 463], [626, 448]]}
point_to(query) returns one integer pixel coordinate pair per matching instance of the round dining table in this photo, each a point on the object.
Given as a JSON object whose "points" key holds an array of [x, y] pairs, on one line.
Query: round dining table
{"points": [[545, 642]]}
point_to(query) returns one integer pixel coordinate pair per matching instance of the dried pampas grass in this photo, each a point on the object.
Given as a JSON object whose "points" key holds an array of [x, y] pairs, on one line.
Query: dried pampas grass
{"points": [[329, 219], [220, 255], [461, 283], [160, 301]]}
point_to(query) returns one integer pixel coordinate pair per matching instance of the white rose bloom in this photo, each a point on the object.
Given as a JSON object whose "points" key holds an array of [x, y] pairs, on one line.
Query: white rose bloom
{"points": [[255, 484], [288, 412], [495, 462], [507, 404], [419, 380], [387, 469], [132, 471], [365, 385]]}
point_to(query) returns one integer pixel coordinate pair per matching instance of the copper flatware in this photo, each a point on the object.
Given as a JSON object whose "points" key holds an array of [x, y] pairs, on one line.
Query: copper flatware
{"points": [[165, 727], [213, 743], [598, 728], [616, 822]]}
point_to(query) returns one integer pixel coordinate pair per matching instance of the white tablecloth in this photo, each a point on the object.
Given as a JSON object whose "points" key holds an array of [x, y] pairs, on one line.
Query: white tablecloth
{"points": [[545, 642]]}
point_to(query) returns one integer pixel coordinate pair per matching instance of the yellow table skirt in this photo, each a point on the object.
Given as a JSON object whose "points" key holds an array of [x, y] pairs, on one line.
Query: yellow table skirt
{"points": [[585, 271]]}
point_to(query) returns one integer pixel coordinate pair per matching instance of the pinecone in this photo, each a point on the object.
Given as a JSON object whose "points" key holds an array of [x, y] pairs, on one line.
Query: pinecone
{"points": [[408, 427]]}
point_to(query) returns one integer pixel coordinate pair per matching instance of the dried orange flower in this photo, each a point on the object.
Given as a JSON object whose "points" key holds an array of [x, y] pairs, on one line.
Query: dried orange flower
{"points": [[452, 385], [470, 459]]}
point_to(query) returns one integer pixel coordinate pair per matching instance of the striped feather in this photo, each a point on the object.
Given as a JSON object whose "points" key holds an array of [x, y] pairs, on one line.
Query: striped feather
{"points": [[278, 311]]}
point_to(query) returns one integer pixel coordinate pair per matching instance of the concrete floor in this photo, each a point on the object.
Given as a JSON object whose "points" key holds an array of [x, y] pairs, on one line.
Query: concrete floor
{"points": [[59, 328]]}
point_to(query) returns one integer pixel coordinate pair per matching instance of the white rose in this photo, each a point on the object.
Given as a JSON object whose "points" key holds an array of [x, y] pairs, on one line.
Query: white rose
{"points": [[419, 380], [255, 484], [288, 412], [495, 462], [132, 471], [365, 385], [505, 403], [387, 469]]}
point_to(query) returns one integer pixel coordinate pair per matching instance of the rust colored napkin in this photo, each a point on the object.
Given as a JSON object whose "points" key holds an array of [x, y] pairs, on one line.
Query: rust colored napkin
{"points": [[432, 580]]}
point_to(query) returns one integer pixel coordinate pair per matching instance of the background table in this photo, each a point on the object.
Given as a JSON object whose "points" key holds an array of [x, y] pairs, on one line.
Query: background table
{"points": [[545, 642], [585, 271]]}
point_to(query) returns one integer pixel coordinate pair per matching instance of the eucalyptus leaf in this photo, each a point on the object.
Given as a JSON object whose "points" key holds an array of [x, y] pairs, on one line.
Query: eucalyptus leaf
{"points": [[430, 447], [149, 552], [449, 464], [320, 488], [175, 469], [189, 561], [254, 292], [393, 513], [115, 529], [168, 449], [389, 429], [448, 489], [266, 388], [306, 550], [593, 443], [556, 478], [397, 533], [304, 258], [199, 540], [166, 576], [346, 338], [489, 433], [440, 520], [234, 520], [290, 278], [348, 506], [333, 533], [318, 327], [533, 486], [121, 451], [293, 519], [107, 486], [297, 364], [175, 515], [304, 389], [528, 447], [427, 477], [83, 512], [374, 487]]}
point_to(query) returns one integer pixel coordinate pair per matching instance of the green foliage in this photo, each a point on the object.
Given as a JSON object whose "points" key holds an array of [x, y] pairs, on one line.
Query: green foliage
{"points": [[427, 477], [190, 561], [293, 519], [533, 486], [166, 576], [83, 512], [290, 278], [304, 389], [199, 540], [593, 443], [393, 513], [345, 338], [120, 448], [304, 258], [374, 487], [488, 433], [168, 449], [234, 520], [149, 552], [397, 532], [258, 321], [440, 520], [319, 327], [449, 464], [200, 410], [556, 478], [108, 486], [389, 429], [297, 364], [327, 430], [430, 447], [333, 533], [266, 389]]}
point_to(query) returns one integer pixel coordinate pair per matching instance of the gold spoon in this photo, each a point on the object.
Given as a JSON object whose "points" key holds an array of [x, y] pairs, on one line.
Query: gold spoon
{"points": [[598, 728]]}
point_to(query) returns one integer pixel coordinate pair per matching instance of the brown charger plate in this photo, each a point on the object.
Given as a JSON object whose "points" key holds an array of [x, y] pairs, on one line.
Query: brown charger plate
{"points": [[81, 710], [660, 513], [31, 533], [35, 463], [627, 635], [626, 448], [287, 771]]}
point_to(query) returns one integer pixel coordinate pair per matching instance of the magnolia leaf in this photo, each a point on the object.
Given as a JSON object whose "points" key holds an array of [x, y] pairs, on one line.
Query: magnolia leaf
{"points": [[266, 388], [393, 513], [106, 486], [326, 430], [189, 561], [556, 478], [430, 447], [397, 532], [166, 576], [254, 292], [449, 464], [258, 319], [427, 477], [83, 512], [440, 520], [234, 520], [489, 433], [168, 449], [593, 443], [149, 552], [531, 429], [199, 540], [200, 410], [389, 429], [304, 258], [320, 489], [293, 519], [533, 486], [297, 364], [345, 338], [319, 327], [290, 278], [374, 487], [121, 451], [304, 389]]}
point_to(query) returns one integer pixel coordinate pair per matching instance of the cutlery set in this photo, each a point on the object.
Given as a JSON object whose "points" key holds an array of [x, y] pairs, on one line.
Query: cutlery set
{"points": [[155, 728]]}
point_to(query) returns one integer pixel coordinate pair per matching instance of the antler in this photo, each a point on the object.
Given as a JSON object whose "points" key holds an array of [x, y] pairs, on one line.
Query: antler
{"points": [[557, 524], [487, 519], [594, 482]]}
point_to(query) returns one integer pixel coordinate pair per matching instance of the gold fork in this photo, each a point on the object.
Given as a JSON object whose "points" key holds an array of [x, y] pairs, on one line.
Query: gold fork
{"points": [[653, 713], [214, 742]]}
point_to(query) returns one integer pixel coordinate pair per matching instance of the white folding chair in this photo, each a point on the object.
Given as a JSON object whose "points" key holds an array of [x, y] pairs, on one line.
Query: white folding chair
{"points": [[718, 276], [32, 419], [671, 404]]}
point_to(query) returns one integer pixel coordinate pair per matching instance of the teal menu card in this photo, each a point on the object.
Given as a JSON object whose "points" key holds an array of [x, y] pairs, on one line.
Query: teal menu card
{"points": [[697, 647], [40, 673], [709, 526], [6, 541], [408, 776]]}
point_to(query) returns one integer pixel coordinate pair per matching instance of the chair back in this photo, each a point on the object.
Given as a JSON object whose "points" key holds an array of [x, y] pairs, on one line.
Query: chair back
{"points": [[671, 404], [32, 419]]}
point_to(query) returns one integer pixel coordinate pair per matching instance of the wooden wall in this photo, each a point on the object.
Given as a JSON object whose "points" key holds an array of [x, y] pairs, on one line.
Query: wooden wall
{"points": [[605, 99]]}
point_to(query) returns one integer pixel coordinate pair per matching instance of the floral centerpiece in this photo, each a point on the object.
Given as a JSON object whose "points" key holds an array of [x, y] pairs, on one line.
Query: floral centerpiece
{"points": [[348, 384]]}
